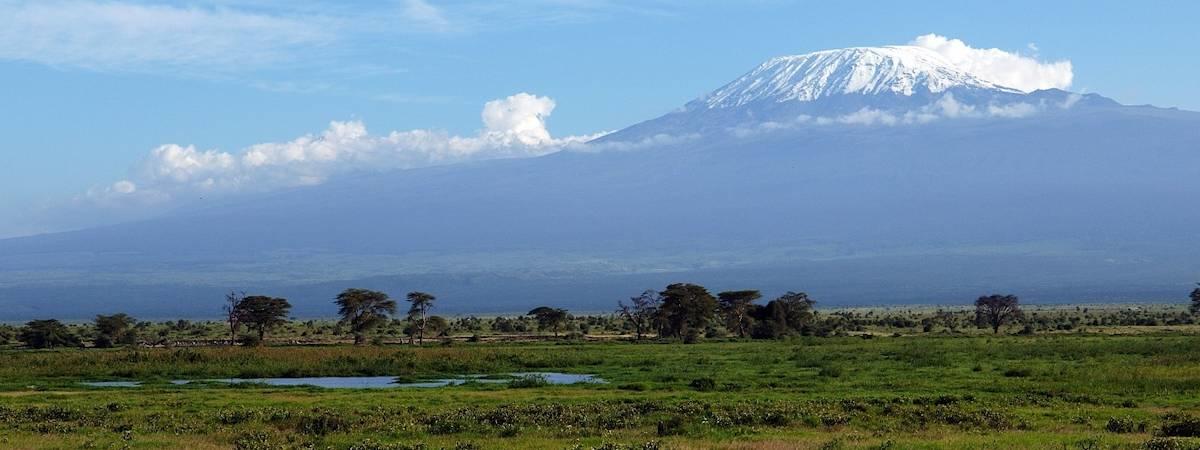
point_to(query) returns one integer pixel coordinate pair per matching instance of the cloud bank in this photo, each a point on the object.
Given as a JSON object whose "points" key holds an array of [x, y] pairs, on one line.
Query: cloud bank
{"points": [[513, 127], [998, 66], [947, 107]]}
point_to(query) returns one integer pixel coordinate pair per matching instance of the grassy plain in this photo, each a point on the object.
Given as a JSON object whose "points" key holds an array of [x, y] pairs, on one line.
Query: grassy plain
{"points": [[1063, 390]]}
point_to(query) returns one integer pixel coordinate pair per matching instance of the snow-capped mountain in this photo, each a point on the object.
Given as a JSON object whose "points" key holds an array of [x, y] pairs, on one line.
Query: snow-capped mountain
{"points": [[896, 83], [896, 70], [868, 176]]}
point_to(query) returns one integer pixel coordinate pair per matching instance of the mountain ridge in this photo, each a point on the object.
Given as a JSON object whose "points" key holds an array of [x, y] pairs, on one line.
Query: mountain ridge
{"points": [[1081, 199]]}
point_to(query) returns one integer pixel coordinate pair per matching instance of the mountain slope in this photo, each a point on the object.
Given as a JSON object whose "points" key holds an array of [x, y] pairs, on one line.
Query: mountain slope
{"points": [[1079, 200]]}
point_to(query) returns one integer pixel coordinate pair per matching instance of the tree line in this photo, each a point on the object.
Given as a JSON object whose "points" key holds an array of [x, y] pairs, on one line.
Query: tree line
{"points": [[683, 311]]}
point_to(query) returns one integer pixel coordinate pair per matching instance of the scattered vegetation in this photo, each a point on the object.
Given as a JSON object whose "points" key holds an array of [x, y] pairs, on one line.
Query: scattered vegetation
{"points": [[684, 369]]}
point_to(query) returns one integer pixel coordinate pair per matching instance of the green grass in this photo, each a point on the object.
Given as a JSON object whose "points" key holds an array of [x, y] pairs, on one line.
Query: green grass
{"points": [[1045, 391]]}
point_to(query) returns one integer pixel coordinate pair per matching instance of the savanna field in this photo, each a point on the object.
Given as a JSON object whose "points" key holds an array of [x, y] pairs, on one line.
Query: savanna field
{"points": [[1126, 387]]}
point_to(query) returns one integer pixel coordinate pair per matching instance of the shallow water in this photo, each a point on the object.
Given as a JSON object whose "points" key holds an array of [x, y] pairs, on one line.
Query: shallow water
{"points": [[374, 382], [113, 383]]}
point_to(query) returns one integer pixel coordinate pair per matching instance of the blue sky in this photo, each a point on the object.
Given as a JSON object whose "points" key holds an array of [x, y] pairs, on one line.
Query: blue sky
{"points": [[93, 86]]}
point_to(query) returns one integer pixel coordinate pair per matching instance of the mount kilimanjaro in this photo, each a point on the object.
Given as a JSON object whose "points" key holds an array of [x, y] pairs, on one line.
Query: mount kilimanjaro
{"points": [[862, 176]]}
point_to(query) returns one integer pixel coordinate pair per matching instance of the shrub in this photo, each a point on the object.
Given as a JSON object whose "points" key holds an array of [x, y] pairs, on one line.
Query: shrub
{"points": [[830, 372], [249, 340], [1177, 425], [671, 426], [528, 381], [322, 423], [1120, 425], [1160, 443], [704, 384], [1019, 372]]}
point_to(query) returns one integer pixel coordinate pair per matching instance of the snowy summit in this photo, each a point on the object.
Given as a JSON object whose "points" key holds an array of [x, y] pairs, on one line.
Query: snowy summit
{"points": [[898, 70]]}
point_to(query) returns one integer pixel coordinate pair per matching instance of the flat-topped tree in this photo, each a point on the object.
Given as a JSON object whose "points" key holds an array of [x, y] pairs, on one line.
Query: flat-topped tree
{"points": [[261, 313], [548, 318], [997, 310], [418, 313], [686, 310], [735, 309], [49, 333], [362, 310], [116, 329], [1195, 306]]}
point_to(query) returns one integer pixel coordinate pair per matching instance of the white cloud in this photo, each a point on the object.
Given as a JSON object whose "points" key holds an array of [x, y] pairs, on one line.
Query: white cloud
{"points": [[947, 107], [427, 15], [868, 116], [147, 37], [124, 187], [950, 107], [1013, 110], [520, 118], [998, 66], [513, 127]]}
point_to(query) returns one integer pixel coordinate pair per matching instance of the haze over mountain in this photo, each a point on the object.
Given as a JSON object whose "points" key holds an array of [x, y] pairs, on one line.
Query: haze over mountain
{"points": [[861, 175]]}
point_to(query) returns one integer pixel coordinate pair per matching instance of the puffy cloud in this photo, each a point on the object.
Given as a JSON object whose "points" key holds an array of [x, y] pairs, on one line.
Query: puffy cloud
{"points": [[998, 66], [513, 127], [520, 118], [950, 107]]}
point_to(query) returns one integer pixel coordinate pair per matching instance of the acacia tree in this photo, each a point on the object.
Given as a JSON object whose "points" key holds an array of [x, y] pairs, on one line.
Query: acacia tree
{"points": [[233, 314], [686, 309], [735, 309], [48, 333], [437, 326], [113, 330], [548, 318], [997, 310], [640, 311], [791, 313], [418, 313], [262, 313], [363, 310], [1195, 306]]}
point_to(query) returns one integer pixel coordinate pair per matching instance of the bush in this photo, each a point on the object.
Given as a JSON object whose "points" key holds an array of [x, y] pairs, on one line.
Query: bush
{"points": [[1019, 372], [1160, 443], [1176, 425], [704, 384], [830, 372], [322, 423], [250, 340], [528, 381], [671, 426], [1120, 425]]}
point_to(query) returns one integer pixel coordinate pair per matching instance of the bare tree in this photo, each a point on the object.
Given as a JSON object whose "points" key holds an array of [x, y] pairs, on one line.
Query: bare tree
{"points": [[233, 314], [418, 313], [640, 311], [997, 310]]}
